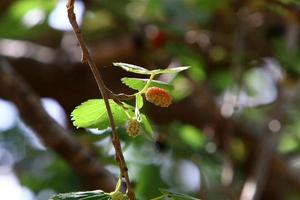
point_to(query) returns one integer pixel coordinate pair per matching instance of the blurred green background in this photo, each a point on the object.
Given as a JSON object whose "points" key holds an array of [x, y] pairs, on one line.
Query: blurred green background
{"points": [[233, 130]]}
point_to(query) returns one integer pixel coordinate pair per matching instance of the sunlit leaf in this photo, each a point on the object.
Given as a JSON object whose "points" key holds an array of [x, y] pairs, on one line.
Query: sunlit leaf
{"points": [[140, 70], [132, 68], [87, 195], [93, 114], [138, 83], [171, 70]]}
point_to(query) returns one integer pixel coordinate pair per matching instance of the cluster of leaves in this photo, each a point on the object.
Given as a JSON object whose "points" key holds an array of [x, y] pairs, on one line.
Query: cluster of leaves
{"points": [[92, 113]]}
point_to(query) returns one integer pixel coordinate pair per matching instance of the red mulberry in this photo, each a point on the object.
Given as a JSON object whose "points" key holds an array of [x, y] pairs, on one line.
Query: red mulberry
{"points": [[158, 96]]}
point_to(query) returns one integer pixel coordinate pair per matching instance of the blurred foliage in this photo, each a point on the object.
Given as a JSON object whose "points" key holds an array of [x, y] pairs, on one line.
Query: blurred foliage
{"points": [[37, 168], [245, 56], [13, 21]]}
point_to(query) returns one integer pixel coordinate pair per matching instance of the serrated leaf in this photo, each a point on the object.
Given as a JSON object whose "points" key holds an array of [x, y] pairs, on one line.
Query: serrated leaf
{"points": [[132, 68], [147, 127], [177, 196], [171, 70], [140, 70], [139, 101], [138, 83], [93, 114], [86, 195]]}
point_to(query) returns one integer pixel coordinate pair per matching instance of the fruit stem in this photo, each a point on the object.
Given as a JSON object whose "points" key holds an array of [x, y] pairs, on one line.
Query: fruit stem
{"points": [[118, 185], [127, 114], [147, 85], [137, 110]]}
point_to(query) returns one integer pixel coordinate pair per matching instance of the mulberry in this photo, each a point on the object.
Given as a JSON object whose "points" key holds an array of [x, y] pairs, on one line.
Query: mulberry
{"points": [[133, 127], [158, 96]]}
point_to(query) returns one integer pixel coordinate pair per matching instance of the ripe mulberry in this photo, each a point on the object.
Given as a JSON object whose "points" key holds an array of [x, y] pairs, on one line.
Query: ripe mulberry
{"points": [[133, 127], [158, 96]]}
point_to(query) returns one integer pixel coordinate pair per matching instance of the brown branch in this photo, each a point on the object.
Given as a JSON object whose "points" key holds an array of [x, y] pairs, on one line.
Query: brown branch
{"points": [[86, 58], [79, 157]]}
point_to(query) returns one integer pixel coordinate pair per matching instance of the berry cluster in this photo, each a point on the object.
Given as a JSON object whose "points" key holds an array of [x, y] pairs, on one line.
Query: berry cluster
{"points": [[158, 96], [133, 127]]}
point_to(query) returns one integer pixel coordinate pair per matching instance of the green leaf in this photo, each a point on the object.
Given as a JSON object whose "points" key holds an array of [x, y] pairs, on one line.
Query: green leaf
{"points": [[86, 195], [132, 68], [138, 83], [147, 127], [177, 196], [140, 70], [139, 101], [171, 70], [93, 114]]}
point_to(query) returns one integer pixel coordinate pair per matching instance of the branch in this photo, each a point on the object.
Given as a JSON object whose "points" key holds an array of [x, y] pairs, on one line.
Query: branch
{"points": [[86, 58], [79, 157]]}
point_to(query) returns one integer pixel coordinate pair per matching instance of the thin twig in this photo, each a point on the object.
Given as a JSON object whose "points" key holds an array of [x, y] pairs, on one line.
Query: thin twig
{"points": [[86, 58], [119, 97]]}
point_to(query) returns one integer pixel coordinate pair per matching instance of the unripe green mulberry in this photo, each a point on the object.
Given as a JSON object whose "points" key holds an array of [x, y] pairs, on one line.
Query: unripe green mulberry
{"points": [[133, 127], [158, 96]]}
